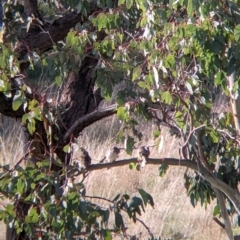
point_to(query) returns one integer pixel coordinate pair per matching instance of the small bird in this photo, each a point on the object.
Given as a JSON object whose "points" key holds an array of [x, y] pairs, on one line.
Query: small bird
{"points": [[111, 154], [84, 160], [143, 155]]}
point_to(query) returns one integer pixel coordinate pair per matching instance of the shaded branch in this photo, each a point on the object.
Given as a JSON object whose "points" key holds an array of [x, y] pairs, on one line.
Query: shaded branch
{"points": [[89, 119], [31, 8], [43, 39]]}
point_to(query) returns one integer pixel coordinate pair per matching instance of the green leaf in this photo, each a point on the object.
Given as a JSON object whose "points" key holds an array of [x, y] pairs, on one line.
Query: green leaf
{"points": [[147, 198], [33, 185], [190, 8], [237, 32], [214, 137], [120, 2], [166, 97], [122, 113], [67, 148], [10, 210], [20, 186], [129, 144], [132, 166], [192, 199], [18, 100], [119, 220], [107, 234], [31, 125], [143, 85], [25, 117], [220, 78], [216, 210], [156, 134], [189, 87], [58, 80], [169, 61], [163, 169], [105, 217], [129, 3], [136, 73], [32, 216], [116, 198]]}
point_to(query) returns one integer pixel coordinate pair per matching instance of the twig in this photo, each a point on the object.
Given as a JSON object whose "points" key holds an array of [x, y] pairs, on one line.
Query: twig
{"points": [[230, 136], [100, 198], [219, 222], [188, 138], [14, 167], [139, 220]]}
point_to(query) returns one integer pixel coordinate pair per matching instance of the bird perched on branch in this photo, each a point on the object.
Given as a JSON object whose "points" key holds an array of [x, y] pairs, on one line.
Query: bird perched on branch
{"points": [[111, 154], [84, 160], [143, 155]]}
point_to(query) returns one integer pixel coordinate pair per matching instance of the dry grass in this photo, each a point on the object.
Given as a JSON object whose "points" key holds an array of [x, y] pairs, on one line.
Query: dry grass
{"points": [[173, 216]]}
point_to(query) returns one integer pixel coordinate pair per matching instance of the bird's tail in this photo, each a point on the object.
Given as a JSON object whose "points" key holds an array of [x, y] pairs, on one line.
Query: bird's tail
{"points": [[144, 162]]}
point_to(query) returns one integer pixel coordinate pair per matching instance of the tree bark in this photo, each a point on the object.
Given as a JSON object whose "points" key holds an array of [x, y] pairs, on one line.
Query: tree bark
{"points": [[79, 96]]}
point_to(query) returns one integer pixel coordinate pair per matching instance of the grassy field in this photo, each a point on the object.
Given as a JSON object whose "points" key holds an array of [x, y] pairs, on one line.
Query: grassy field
{"points": [[173, 217]]}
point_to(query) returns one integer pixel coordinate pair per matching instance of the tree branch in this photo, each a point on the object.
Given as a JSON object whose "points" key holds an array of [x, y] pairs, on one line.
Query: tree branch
{"points": [[219, 194], [233, 196], [89, 119], [31, 8], [43, 39], [227, 226], [235, 102], [219, 222]]}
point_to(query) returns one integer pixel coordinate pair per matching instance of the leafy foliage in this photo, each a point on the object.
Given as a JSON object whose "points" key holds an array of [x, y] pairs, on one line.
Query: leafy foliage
{"points": [[170, 60], [67, 214]]}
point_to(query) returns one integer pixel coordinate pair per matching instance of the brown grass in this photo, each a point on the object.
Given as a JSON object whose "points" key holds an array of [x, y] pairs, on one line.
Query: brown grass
{"points": [[173, 216]]}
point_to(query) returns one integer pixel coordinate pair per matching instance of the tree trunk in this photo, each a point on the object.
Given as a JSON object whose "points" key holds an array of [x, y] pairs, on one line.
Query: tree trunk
{"points": [[78, 96]]}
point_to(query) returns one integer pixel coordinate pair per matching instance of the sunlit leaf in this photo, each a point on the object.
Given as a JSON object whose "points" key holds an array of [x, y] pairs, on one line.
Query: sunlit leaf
{"points": [[166, 97], [136, 73], [237, 32], [18, 100], [216, 210], [32, 216]]}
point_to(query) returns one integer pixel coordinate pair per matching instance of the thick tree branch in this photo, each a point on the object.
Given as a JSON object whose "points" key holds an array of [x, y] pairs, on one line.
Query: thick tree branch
{"points": [[31, 8], [89, 119], [215, 182], [43, 39], [235, 102], [224, 213], [218, 193]]}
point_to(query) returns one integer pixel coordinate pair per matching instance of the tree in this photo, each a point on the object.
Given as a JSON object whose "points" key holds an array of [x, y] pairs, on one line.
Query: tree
{"points": [[175, 62]]}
